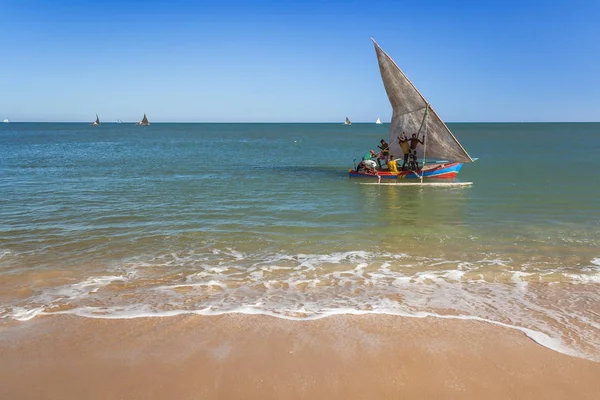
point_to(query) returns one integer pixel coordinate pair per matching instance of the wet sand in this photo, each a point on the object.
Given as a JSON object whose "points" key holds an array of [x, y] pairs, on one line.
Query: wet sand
{"points": [[258, 357]]}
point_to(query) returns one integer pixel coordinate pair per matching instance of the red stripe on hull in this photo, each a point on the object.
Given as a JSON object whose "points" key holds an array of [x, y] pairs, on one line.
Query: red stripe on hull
{"points": [[445, 175]]}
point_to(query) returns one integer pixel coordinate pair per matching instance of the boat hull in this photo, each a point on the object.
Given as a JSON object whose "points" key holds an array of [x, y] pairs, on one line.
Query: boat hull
{"points": [[442, 171]]}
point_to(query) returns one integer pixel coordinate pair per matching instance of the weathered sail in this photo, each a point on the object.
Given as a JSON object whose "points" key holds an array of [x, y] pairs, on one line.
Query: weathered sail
{"points": [[409, 108], [97, 120]]}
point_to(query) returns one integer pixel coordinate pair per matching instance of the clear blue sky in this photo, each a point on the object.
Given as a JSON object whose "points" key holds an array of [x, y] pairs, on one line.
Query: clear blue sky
{"points": [[296, 61]]}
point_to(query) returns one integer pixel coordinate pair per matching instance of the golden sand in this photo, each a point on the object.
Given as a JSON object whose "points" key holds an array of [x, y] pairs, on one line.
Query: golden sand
{"points": [[257, 357]]}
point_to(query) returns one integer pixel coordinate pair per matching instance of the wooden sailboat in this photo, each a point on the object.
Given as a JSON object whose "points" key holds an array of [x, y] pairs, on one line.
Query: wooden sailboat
{"points": [[347, 122], [144, 121], [96, 122], [412, 114]]}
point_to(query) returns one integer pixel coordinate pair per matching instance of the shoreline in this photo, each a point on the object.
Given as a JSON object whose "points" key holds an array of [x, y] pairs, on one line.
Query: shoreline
{"points": [[258, 356], [538, 337]]}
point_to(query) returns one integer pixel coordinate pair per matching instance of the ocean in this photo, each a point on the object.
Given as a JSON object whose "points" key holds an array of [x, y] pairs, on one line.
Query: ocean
{"points": [[120, 221]]}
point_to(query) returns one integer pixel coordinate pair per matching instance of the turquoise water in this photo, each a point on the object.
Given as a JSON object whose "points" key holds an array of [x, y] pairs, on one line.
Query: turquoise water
{"points": [[119, 220]]}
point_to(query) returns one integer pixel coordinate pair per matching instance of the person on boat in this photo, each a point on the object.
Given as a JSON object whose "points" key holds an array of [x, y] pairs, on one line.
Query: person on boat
{"points": [[367, 162], [403, 141], [384, 154], [391, 164], [414, 141]]}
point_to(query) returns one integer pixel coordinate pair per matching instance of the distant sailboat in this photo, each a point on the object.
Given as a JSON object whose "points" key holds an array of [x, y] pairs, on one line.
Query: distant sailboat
{"points": [[144, 121], [378, 122], [5, 121], [348, 122], [96, 122], [118, 121]]}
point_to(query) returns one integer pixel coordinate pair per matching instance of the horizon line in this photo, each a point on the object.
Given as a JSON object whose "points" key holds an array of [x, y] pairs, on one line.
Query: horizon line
{"points": [[293, 122]]}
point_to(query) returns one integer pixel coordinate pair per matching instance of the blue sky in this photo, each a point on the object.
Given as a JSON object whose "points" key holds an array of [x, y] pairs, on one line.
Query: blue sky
{"points": [[292, 61]]}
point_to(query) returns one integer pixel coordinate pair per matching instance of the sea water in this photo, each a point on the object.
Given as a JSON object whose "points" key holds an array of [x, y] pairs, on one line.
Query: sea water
{"points": [[120, 221]]}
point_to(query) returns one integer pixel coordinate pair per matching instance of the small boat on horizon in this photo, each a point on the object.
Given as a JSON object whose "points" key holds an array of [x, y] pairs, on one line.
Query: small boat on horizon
{"points": [[378, 122], [96, 122], [347, 122], [5, 121], [118, 121], [144, 121]]}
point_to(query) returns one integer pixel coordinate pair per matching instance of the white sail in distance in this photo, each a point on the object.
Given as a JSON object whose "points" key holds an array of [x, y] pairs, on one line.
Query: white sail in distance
{"points": [[409, 108]]}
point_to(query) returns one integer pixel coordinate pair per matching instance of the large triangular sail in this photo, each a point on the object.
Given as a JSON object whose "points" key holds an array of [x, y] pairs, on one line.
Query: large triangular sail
{"points": [[97, 119], [413, 114], [347, 122]]}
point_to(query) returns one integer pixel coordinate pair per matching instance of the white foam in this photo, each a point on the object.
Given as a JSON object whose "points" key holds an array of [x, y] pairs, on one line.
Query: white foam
{"points": [[143, 311], [454, 275], [89, 285], [583, 278], [5, 253], [272, 268], [236, 254], [517, 278], [596, 261], [317, 285], [23, 314], [131, 312]]}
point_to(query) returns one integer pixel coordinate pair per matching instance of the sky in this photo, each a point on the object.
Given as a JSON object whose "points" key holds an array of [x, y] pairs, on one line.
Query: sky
{"points": [[297, 61]]}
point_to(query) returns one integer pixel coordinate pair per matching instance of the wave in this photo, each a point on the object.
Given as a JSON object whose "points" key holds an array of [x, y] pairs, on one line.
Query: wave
{"points": [[140, 311], [552, 304]]}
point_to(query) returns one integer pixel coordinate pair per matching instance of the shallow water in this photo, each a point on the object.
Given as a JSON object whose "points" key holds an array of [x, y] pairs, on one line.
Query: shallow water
{"points": [[123, 221]]}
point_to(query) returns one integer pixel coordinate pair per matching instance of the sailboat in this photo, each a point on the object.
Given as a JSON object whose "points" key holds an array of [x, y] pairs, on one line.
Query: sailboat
{"points": [[96, 122], [5, 121], [144, 121], [378, 122], [347, 122], [441, 155]]}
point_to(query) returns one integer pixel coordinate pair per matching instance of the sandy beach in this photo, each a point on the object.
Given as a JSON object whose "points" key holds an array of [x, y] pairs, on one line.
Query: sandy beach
{"points": [[259, 357]]}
